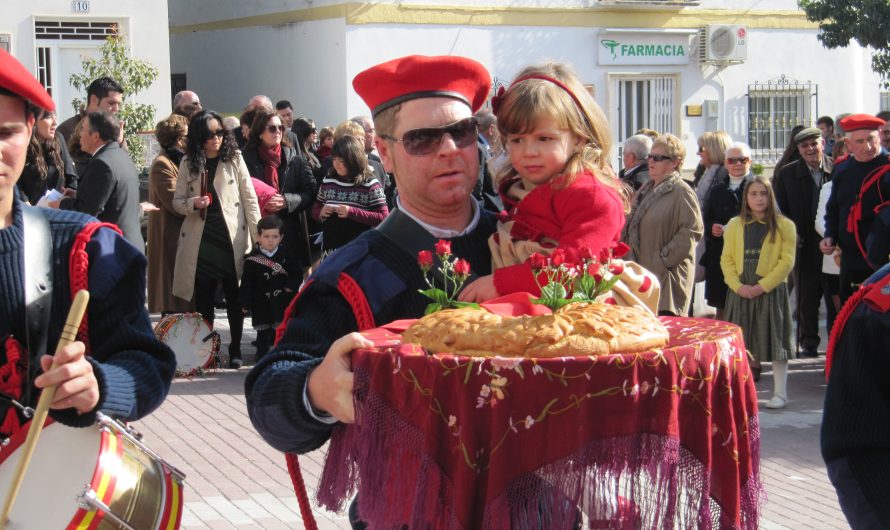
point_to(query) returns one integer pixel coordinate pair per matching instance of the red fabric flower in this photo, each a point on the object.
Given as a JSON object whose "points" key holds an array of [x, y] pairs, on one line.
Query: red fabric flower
{"points": [[537, 261], [462, 267], [443, 247], [585, 253], [558, 257], [620, 249], [425, 259]]}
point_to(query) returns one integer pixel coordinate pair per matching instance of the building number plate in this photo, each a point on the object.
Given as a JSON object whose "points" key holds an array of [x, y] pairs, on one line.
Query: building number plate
{"points": [[80, 6]]}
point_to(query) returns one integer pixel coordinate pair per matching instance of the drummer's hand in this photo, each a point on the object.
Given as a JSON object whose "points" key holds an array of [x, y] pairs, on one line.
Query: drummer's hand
{"points": [[479, 290], [77, 384], [330, 384]]}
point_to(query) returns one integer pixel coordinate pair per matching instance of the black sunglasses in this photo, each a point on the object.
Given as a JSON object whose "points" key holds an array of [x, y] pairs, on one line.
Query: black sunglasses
{"points": [[276, 128], [659, 158], [219, 133], [742, 160], [421, 142]]}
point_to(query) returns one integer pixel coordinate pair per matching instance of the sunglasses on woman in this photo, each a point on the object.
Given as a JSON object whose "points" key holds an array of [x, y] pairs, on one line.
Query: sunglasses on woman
{"points": [[219, 133], [421, 142], [742, 160], [659, 158], [276, 128]]}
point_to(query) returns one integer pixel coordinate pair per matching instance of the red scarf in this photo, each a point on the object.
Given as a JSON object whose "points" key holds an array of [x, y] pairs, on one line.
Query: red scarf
{"points": [[271, 157]]}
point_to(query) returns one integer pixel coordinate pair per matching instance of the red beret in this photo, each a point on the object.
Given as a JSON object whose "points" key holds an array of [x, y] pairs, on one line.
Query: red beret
{"points": [[419, 76], [854, 122], [18, 80]]}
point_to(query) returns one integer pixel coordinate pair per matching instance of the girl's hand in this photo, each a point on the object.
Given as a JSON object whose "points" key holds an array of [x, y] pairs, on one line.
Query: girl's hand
{"points": [[276, 203], [756, 290], [717, 230], [479, 290], [744, 291], [342, 210]]}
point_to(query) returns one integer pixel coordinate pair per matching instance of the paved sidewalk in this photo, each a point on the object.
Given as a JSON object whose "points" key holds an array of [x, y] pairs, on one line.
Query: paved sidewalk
{"points": [[235, 480]]}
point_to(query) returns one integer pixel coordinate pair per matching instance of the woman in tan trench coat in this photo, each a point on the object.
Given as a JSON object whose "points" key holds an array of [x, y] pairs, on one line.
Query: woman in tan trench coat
{"points": [[164, 224], [216, 195], [664, 225]]}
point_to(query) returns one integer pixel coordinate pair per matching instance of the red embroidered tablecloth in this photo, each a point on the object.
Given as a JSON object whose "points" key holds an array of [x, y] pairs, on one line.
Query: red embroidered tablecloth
{"points": [[663, 439]]}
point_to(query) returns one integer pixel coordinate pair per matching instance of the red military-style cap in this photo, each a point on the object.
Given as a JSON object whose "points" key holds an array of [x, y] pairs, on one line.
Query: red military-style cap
{"points": [[17, 79], [420, 76], [855, 122]]}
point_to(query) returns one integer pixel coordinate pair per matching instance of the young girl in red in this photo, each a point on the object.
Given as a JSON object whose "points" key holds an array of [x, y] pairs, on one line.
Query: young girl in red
{"points": [[558, 190]]}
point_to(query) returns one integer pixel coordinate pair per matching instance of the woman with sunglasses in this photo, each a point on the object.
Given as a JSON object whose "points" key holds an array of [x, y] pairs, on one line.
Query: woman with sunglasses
{"points": [[724, 204], [350, 200], [307, 135], [665, 224], [48, 165], [216, 196], [272, 159]]}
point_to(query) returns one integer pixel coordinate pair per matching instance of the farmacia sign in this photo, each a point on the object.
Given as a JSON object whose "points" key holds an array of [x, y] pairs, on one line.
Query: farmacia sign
{"points": [[643, 49]]}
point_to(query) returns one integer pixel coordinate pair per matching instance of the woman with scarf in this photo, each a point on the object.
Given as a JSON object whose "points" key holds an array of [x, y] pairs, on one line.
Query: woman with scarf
{"points": [[164, 224], [216, 196], [272, 159], [664, 226], [724, 204]]}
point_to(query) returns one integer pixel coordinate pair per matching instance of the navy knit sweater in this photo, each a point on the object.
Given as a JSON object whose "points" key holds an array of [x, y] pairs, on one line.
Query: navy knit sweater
{"points": [[856, 417], [134, 370], [390, 278]]}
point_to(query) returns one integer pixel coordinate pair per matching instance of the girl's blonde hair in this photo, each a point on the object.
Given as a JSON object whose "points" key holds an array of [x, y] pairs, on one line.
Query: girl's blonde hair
{"points": [[772, 210], [554, 90]]}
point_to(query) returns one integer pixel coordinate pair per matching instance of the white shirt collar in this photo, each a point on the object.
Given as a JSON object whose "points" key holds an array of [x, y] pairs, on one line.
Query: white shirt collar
{"points": [[269, 253], [444, 233]]}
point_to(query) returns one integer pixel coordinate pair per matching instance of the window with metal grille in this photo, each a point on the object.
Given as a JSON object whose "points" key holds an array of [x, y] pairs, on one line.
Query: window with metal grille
{"points": [[885, 101], [774, 108], [642, 102], [44, 69], [73, 30]]}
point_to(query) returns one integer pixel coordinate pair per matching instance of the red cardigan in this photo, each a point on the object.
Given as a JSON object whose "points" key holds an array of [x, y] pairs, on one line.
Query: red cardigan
{"points": [[584, 213]]}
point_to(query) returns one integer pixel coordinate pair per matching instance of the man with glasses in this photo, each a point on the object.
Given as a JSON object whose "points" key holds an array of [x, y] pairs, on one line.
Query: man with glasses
{"points": [[797, 193], [426, 135]]}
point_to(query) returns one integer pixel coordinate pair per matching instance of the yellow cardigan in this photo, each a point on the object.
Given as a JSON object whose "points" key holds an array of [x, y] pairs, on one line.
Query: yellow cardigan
{"points": [[776, 257]]}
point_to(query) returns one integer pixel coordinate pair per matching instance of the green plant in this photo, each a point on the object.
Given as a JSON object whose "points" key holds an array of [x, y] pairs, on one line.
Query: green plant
{"points": [[452, 273], [134, 75], [757, 169]]}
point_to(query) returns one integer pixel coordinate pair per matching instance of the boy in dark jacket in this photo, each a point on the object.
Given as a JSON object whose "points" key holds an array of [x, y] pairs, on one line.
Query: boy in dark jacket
{"points": [[270, 277]]}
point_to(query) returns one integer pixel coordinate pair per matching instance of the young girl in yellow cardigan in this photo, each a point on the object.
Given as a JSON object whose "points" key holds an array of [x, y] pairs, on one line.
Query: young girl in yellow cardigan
{"points": [[758, 255]]}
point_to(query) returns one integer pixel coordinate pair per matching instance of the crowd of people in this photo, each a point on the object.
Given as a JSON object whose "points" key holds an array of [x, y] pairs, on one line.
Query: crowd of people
{"points": [[252, 205]]}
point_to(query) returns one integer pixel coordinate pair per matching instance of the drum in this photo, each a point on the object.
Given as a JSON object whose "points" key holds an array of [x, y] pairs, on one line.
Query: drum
{"points": [[99, 477], [193, 341]]}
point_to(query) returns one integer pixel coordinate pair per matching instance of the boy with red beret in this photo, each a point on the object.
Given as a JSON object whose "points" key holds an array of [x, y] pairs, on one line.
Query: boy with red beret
{"points": [[118, 367]]}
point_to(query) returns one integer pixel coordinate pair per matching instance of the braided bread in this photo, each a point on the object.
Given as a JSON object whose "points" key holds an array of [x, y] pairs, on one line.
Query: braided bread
{"points": [[576, 329]]}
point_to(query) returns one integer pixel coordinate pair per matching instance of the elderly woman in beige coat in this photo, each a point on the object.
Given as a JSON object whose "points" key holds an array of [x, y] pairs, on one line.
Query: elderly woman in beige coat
{"points": [[215, 193], [665, 224], [164, 225]]}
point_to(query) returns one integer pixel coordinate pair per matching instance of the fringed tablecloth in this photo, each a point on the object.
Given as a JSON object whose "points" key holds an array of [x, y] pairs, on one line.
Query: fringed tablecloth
{"points": [[663, 439]]}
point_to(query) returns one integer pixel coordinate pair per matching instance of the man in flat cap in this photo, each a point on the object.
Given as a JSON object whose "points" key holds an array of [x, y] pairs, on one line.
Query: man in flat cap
{"points": [[849, 214], [128, 371], [426, 136], [797, 193]]}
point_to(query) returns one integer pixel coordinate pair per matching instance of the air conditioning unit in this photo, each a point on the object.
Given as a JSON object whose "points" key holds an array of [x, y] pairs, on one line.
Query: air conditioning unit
{"points": [[723, 43]]}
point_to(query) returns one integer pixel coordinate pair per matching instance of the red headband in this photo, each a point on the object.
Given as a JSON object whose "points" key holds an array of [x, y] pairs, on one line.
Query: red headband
{"points": [[498, 98]]}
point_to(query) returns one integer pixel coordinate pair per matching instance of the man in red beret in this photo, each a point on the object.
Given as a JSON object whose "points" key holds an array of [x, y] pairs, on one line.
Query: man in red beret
{"points": [[849, 214], [426, 136], [128, 371]]}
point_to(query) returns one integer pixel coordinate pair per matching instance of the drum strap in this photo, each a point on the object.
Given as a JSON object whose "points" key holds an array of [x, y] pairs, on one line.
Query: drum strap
{"points": [[38, 283]]}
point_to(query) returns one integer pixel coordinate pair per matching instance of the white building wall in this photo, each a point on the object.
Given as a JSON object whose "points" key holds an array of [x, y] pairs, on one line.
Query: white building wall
{"points": [[335, 50], [303, 63], [143, 22]]}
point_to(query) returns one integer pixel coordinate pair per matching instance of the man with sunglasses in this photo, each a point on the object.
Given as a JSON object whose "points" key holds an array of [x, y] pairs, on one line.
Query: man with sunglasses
{"points": [[426, 136], [797, 193]]}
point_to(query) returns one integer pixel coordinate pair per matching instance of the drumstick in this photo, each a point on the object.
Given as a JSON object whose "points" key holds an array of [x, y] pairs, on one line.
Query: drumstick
{"points": [[69, 333]]}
